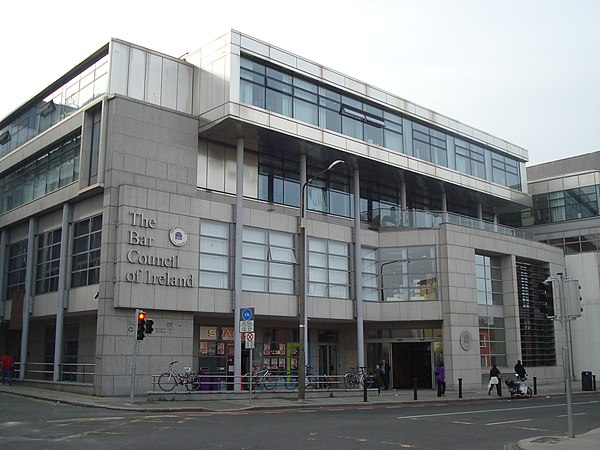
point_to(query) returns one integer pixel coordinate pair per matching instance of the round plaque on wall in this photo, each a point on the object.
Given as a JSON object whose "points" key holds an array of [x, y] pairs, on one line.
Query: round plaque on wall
{"points": [[466, 340]]}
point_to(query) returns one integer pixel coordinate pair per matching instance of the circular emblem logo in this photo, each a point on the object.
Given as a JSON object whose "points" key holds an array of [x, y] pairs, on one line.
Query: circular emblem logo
{"points": [[178, 236], [466, 340]]}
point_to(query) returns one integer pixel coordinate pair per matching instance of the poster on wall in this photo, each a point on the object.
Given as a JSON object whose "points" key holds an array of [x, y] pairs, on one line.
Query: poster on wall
{"points": [[203, 348], [220, 348], [266, 349]]}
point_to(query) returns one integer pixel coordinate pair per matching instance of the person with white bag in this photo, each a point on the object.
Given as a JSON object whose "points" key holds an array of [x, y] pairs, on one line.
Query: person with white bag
{"points": [[494, 380]]}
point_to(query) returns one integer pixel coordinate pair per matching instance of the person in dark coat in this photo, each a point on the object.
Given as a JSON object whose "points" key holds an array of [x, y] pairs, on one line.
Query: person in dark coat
{"points": [[384, 370], [520, 370], [494, 380]]}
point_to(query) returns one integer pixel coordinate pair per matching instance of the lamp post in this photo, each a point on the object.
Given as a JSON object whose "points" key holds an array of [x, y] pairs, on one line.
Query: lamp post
{"points": [[303, 325]]}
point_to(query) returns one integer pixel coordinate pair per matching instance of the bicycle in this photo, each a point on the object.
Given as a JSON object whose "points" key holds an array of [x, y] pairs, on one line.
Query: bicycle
{"points": [[263, 378], [168, 380], [310, 381], [355, 376]]}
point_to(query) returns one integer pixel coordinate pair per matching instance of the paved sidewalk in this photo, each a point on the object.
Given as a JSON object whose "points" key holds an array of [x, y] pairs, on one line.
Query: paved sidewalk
{"points": [[314, 399]]}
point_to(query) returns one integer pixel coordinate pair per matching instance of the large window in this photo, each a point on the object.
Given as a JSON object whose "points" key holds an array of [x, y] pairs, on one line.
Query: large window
{"points": [[537, 331], [278, 180], [492, 341], [48, 261], [268, 261], [17, 266], [38, 177], [408, 273], [328, 268], [488, 274], [306, 100], [214, 255], [370, 287], [87, 237]]}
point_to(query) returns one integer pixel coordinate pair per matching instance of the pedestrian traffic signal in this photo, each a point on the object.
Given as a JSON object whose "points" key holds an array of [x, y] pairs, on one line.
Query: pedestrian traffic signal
{"points": [[149, 326], [141, 325], [573, 299], [547, 298]]}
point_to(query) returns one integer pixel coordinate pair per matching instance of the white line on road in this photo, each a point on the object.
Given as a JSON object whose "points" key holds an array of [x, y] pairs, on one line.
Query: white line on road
{"points": [[480, 411], [576, 414], [85, 419], [508, 421], [462, 423]]}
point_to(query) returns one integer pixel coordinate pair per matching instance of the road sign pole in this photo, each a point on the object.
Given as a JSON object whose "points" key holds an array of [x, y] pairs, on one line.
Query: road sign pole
{"points": [[134, 358]]}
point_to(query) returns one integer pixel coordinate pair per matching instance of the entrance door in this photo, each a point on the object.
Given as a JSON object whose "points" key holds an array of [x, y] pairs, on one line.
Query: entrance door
{"points": [[409, 361], [328, 359]]}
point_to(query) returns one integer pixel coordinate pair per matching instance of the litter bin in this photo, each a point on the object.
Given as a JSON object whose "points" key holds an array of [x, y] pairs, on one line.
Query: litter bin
{"points": [[586, 381]]}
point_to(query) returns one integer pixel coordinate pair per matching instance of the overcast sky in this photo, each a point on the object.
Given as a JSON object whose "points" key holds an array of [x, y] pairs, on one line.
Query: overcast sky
{"points": [[527, 71]]}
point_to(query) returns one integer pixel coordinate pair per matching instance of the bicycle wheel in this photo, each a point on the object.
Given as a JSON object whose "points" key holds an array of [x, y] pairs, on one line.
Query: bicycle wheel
{"points": [[270, 382], [291, 383], [192, 382], [350, 380], [311, 382], [166, 382]]}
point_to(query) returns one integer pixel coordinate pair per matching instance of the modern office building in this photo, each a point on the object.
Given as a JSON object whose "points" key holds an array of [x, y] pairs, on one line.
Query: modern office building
{"points": [[565, 214], [193, 187]]}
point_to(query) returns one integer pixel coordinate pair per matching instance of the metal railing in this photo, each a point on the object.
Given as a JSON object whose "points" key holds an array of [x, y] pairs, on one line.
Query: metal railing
{"points": [[415, 218], [73, 372]]}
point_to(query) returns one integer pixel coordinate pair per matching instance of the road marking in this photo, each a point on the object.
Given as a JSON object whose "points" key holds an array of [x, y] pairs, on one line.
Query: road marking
{"points": [[307, 410], [462, 423], [576, 414], [85, 419], [480, 411], [531, 429], [508, 421]]}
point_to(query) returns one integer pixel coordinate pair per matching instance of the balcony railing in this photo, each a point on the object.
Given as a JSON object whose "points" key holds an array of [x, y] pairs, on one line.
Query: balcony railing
{"points": [[416, 218]]}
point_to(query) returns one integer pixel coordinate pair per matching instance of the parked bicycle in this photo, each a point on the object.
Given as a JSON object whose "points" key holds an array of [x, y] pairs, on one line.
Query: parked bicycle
{"points": [[168, 380], [310, 381], [261, 378], [359, 376]]}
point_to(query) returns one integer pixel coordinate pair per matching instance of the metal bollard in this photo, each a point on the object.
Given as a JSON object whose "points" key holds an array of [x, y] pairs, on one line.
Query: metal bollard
{"points": [[415, 388], [594, 382], [535, 385], [499, 388], [460, 388], [365, 382]]}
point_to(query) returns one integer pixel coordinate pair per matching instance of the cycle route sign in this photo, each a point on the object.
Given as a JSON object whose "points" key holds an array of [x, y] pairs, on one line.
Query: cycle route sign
{"points": [[246, 320]]}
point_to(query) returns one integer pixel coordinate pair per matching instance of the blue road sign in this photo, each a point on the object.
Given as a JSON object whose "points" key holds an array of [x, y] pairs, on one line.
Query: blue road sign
{"points": [[247, 313]]}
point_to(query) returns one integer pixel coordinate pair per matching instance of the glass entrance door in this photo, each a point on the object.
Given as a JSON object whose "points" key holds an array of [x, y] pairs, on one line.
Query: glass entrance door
{"points": [[328, 359]]}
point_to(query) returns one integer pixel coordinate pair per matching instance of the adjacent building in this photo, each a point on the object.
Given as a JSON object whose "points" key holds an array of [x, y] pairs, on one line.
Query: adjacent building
{"points": [[179, 186]]}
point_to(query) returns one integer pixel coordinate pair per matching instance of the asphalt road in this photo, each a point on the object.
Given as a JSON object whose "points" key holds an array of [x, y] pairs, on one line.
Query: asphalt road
{"points": [[489, 424]]}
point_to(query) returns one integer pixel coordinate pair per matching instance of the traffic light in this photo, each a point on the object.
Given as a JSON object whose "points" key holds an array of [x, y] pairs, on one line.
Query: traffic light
{"points": [[149, 325], [141, 325], [573, 298], [547, 298]]}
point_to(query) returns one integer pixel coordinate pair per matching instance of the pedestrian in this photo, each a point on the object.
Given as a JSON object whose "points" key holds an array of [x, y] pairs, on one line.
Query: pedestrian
{"points": [[494, 380], [7, 365], [520, 370], [440, 379], [384, 370]]}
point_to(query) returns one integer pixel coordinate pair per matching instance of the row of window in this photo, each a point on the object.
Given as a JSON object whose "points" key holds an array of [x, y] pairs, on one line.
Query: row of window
{"points": [[64, 101], [40, 176], [305, 100], [85, 259], [269, 264], [559, 206]]}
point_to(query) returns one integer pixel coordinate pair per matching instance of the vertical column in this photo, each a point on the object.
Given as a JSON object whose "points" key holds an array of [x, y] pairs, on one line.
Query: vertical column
{"points": [[28, 299], [444, 207], [62, 293], [3, 270], [303, 259], [404, 206], [237, 291], [360, 339], [480, 214]]}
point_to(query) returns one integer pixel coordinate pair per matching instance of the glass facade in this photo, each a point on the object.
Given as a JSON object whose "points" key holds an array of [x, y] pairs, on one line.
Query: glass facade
{"points": [[268, 261], [42, 175], [408, 273], [294, 96], [48, 261], [214, 255], [87, 238], [67, 99], [328, 268], [17, 265]]}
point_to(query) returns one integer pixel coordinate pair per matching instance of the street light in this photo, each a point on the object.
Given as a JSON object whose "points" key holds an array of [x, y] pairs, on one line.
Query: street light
{"points": [[303, 325]]}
